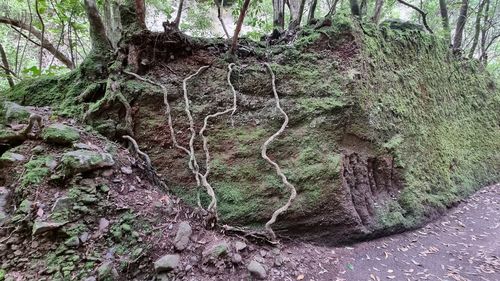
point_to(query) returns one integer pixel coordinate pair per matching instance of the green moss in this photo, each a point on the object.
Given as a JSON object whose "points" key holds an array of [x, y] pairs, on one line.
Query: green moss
{"points": [[3, 273], [36, 170], [60, 134]]}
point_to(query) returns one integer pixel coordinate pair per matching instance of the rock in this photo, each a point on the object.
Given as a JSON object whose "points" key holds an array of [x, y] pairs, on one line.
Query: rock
{"points": [[240, 245], [236, 258], [72, 242], [107, 173], [126, 170], [278, 261], [106, 271], [16, 112], [80, 145], [183, 235], [84, 237], [61, 204], [167, 263], [257, 270], [38, 149], [91, 278], [9, 158], [103, 225], [214, 250], [4, 194], [40, 227], [60, 134], [80, 161]]}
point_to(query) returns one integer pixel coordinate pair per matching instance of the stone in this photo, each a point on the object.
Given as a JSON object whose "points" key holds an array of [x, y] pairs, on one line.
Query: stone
{"points": [[167, 263], [103, 225], [38, 149], [236, 258], [182, 236], [40, 227], [4, 195], [240, 245], [60, 134], [10, 158], [126, 170], [16, 113], [80, 161], [214, 250], [278, 261], [72, 242], [80, 145], [84, 237], [61, 204], [90, 278], [257, 270], [106, 271]]}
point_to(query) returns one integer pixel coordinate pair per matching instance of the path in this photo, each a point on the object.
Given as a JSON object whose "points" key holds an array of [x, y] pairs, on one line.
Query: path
{"points": [[463, 245]]}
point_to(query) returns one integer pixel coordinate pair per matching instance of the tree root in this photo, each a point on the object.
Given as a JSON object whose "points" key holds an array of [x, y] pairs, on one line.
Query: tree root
{"points": [[112, 95], [293, 191], [149, 166]]}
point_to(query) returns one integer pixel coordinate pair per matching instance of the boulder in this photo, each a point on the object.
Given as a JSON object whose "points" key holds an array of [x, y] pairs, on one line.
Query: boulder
{"points": [[60, 134], [240, 245], [167, 263], [40, 227], [4, 193], [16, 113], [9, 158], [257, 270], [80, 161], [215, 249], [182, 236]]}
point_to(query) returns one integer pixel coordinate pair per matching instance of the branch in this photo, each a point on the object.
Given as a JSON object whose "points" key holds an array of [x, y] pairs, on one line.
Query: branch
{"points": [[238, 26], [422, 13], [293, 191], [219, 15], [46, 44]]}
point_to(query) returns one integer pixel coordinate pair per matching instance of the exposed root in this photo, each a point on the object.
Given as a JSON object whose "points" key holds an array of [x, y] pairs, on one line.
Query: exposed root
{"points": [[149, 166], [257, 236], [293, 191], [112, 94]]}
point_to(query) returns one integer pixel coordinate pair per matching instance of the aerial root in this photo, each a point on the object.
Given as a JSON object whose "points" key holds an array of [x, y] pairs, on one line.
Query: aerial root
{"points": [[293, 191], [149, 166], [112, 95]]}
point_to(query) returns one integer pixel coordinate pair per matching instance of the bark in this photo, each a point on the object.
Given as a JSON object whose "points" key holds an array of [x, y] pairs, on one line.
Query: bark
{"points": [[40, 62], [112, 22], [239, 23], [333, 9], [477, 29], [219, 16], [420, 11], [177, 20], [484, 33], [312, 10], [296, 11], [98, 37], [445, 20], [459, 30], [6, 67], [378, 11], [279, 14], [45, 43], [363, 7], [355, 8], [140, 9]]}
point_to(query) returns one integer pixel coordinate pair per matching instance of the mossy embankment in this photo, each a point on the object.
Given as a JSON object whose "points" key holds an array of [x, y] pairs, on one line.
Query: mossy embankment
{"points": [[387, 129]]}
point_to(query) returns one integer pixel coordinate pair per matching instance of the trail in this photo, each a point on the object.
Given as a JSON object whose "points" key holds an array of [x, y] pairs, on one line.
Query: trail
{"points": [[463, 245]]}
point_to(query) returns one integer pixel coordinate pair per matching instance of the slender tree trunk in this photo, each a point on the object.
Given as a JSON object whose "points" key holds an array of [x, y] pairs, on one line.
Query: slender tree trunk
{"points": [[98, 37], [177, 20], [459, 30], [296, 13], [40, 63], [355, 8], [312, 10], [445, 20], [140, 9], [484, 34], [239, 23], [46, 44], [363, 7], [279, 14], [8, 71], [333, 9], [219, 16], [477, 29], [112, 22], [378, 11]]}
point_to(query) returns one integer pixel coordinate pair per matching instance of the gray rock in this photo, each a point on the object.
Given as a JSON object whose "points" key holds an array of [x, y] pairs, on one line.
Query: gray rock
{"points": [[72, 242], [126, 170], [80, 145], [257, 270], [4, 195], [61, 204], [80, 161], [106, 271], [38, 149], [278, 261], [236, 258], [10, 158], [240, 245], [183, 235], [167, 263], [84, 237], [60, 134], [40, 227], [103, 225], [214, 250], [91, 278], [16, 112]]}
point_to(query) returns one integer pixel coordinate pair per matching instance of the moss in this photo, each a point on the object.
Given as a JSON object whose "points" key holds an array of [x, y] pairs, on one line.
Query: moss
{"points": [[36, 170], [60, 134], [3, 273]]}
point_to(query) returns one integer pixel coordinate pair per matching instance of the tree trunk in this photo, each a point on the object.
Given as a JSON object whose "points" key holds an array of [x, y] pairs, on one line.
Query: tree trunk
{"points": [[378, 11], [477, 29], [177, 20], [333, 9], [355, 8], [363, 7], [312, 10], [46, 44], [140, 9], [239, 23], [484, 34], [443, 9], [112, 22], [219, 16], [98, 37], [459, 30], [296, 11], [279, 14], [5, 62]]}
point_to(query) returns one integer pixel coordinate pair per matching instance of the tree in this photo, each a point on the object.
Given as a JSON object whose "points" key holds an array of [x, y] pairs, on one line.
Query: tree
{"points": [[355, 11], [177, 20], [477, 28], [239, 23], [296, 11], [99, 39], [6, 67], [378, 11], [421, 12], [459, 30], [279, 15], [443, 10]]}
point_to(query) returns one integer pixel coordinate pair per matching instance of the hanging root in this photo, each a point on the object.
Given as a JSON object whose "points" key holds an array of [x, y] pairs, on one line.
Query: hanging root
{"points": [[112, 94], [149, 166], [213, 203], [293, 191]]}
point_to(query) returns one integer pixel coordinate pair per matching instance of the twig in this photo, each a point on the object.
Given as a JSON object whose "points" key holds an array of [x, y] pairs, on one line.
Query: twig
{"points": [[293, 191], [422, 13]]}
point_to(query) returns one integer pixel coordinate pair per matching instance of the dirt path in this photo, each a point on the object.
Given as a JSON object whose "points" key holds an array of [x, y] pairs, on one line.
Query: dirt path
{"points": [[463, 245]]}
